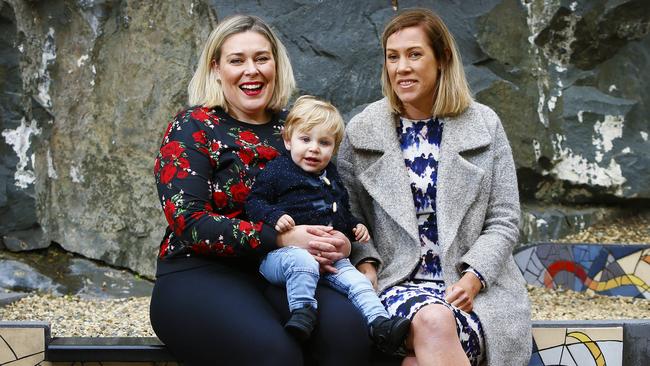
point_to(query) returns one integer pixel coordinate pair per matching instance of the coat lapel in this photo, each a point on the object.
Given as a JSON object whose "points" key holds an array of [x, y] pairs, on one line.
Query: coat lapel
{"points": [[385, 177], [458, 179], [387, 180]]}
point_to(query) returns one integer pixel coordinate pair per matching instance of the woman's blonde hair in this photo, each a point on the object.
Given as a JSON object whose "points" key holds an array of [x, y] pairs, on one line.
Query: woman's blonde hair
{"points": [[205, 89], [452, 94], [309, 112]]}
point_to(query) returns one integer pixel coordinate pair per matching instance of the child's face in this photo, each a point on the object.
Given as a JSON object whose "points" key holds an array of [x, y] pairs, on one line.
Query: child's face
{"points": [[311, 150]]}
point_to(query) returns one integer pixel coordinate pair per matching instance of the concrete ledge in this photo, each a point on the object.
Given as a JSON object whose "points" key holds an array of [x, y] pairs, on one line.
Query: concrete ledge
{"points": [[131, 349], [30, 343]]}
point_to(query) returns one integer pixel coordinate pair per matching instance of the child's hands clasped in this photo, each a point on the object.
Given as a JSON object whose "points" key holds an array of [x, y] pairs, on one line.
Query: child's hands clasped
{"points": [[285, 222], [361, 233]]}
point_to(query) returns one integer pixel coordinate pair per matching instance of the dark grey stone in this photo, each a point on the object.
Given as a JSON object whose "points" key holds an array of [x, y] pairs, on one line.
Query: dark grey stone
{"points": [[90, 85], [17, 204], [18, 276], [7, 298], [30, 239], [544, 223], [59, 273]]}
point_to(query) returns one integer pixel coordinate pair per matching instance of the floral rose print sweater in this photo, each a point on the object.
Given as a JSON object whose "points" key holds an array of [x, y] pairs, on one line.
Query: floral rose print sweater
{"points": [[204, 172]]}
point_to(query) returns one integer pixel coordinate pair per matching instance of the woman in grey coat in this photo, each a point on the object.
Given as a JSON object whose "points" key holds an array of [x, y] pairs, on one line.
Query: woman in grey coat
{"points": [[432, 174]]}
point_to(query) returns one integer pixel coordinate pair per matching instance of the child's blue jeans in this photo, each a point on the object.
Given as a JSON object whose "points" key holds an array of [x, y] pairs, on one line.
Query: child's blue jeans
{"points": [[298, 271]]}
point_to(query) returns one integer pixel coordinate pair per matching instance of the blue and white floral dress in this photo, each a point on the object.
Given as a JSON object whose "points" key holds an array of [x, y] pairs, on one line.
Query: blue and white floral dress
{"points": [[420, 143]]}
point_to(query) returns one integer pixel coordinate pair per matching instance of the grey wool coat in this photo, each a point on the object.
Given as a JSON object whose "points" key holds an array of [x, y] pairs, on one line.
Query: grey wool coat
{"points": [[477, 208]]}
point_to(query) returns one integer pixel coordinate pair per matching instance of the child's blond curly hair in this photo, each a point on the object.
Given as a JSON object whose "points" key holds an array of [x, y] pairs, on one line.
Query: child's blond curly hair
{"points": [[309, 112]]}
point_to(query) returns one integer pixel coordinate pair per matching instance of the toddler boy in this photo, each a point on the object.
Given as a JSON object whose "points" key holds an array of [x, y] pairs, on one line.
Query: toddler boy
{"points": [[305, 189]]}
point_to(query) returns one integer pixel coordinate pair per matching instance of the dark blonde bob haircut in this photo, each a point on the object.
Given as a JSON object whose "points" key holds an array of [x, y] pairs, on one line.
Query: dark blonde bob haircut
{"points": [[309, 112], [452, 96], [205, 89]]}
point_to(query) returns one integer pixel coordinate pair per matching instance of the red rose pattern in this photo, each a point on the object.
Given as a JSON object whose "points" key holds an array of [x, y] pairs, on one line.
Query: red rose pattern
{"points": [[167, 174], [246, 156], [239, 192], [249, 137], [179, 225], [163, 248], [173, 150], [156, 166], [245, 226], [200, 137], [172, 155], [169, 208], [254, 243], [235, 155], [201, 114], [220, 199], [267, 152]]}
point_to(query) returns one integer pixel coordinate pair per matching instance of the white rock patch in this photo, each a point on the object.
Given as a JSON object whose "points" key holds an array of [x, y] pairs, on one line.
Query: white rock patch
{"points": [[20, 141]]}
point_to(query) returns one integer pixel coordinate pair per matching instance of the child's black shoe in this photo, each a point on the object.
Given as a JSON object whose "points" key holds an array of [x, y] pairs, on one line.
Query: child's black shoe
{"points": [[301, 323], [389, 334]]}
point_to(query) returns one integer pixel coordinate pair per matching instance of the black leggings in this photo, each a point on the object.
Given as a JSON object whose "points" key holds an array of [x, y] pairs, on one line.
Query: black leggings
{"points": [[221, 315]]}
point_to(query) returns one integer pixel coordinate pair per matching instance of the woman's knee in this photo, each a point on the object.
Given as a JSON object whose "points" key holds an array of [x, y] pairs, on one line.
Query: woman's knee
{"points": [[436, 320]]}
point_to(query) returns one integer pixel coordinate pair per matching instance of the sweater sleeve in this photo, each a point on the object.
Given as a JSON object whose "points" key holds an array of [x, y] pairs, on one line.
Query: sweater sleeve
{"points": [[197, 223], [261, 203]]}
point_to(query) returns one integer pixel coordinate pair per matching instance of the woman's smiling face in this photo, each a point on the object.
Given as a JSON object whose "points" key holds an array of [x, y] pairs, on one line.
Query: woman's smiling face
{"points": [[246, 69], [412, 70]]}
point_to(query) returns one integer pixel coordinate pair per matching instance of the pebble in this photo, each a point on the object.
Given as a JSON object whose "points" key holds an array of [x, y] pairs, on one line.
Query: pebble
{"points": [[634, 229], [72, 316]]}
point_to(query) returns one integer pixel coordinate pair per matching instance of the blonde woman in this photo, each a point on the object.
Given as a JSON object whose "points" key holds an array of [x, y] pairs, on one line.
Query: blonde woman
{"points": [[431, 173], [210, 306]]}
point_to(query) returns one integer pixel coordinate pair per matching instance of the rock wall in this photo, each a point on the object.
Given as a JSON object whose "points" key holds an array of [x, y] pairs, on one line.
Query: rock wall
{"points": [[88, 86]]}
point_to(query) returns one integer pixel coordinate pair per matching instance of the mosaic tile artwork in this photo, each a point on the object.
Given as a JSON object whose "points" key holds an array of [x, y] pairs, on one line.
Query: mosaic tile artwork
{"points": [[22, 346], [577, 346], [612, 270]]}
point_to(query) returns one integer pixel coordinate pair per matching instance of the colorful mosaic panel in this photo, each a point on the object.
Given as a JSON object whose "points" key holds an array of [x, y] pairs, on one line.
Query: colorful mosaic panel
{"points": [[577, 346], [613, 270]]}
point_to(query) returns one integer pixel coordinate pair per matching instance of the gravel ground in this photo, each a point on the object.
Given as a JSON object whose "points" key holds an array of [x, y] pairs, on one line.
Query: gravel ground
{"points": [[626, 230], [74, 317]]}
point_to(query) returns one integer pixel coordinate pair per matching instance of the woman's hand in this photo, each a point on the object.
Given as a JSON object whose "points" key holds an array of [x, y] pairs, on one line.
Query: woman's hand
{"points": [[462, 293], [329, 255], [323, 242], [369, 270]]}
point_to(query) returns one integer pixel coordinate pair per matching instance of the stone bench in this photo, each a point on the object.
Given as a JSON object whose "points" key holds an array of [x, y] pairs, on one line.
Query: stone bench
{"points": [[106, 349], [607, 342]]}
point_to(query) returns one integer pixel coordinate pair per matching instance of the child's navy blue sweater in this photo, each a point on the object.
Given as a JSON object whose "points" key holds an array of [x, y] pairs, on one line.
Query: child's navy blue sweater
{"points": [[284, 188]]}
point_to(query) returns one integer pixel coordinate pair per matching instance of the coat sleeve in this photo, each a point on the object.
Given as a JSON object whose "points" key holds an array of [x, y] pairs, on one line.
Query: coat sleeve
{"points": [[182, 172], [500, 229], [261, 203], [346, 169]]}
